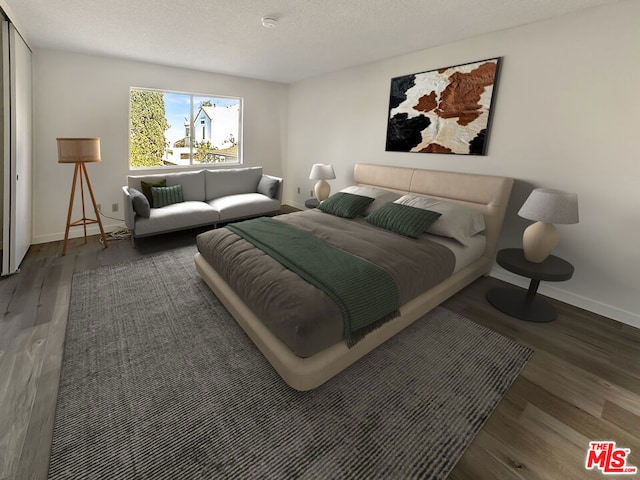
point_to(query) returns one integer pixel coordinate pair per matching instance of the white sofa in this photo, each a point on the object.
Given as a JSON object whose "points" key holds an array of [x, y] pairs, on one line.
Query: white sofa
{"points": [[210, 197]]}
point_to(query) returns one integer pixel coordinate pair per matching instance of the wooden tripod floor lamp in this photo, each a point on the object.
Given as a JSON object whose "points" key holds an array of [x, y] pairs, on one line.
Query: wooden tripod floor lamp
{"points": [[80, 151]]}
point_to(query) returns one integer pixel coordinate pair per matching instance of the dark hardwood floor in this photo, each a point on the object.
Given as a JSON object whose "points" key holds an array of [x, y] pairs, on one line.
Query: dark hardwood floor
{"points": [[581, 385]]}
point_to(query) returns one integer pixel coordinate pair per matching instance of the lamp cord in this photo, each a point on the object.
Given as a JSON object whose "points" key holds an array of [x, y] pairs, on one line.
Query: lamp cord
{"points": [[116, 235], [111, 218]]}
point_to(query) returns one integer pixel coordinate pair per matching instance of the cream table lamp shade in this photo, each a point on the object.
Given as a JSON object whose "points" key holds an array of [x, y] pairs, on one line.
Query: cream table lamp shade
{"points": [[74, 150], [546, 206], [322, 173]]}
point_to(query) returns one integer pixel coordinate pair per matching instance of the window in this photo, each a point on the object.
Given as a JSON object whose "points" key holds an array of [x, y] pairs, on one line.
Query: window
{"points": [[160, 126]]}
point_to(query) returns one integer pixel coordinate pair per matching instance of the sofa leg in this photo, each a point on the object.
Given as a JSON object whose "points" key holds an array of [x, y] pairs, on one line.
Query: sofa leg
{"points": [[133, 241]]}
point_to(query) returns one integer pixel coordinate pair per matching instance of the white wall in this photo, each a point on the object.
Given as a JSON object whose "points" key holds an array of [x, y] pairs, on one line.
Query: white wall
{"points": [[79, 95], [567, 116]]}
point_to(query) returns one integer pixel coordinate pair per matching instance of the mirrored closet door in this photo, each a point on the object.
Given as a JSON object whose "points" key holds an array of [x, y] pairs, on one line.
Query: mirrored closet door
{"points": [[16, 147]]}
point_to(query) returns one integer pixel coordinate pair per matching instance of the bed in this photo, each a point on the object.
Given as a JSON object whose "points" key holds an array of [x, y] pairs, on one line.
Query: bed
{"points": [[311, 352]]}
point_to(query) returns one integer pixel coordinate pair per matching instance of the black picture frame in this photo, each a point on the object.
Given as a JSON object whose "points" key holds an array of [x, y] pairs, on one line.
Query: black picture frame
{"points": [[447, 110]]}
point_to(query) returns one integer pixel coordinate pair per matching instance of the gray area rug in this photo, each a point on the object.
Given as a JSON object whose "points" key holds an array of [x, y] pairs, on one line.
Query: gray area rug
{"points": [[159, 382]]}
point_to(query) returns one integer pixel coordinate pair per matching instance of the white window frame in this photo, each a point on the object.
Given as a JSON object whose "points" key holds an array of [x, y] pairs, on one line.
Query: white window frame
{"points": [[193, 109]]}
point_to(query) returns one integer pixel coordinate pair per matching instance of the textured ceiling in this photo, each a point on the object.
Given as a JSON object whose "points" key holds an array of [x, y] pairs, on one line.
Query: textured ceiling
{"points": [[312, 37]]}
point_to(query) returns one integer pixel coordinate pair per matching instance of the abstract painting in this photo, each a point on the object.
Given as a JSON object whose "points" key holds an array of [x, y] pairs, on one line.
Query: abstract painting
{"points": [[442, 111]]}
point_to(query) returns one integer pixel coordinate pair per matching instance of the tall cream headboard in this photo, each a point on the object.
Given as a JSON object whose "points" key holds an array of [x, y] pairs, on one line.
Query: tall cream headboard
{"points": [[486, 193]]}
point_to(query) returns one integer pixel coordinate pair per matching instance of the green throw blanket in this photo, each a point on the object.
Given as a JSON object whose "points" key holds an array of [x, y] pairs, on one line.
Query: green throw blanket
{"points": [[366, 294]]}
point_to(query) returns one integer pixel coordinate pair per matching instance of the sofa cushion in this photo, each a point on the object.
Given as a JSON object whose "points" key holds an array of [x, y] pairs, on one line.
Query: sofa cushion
{"points": [[140, 203], [148, 185], [192, 182], [176, 217], [220, 183], [163, 196], [268, 186], [244, 205]]}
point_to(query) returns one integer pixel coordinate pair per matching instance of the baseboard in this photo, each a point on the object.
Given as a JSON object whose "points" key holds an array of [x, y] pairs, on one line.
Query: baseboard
{"points": [[299, 206], [77, 232], [549, 290]]}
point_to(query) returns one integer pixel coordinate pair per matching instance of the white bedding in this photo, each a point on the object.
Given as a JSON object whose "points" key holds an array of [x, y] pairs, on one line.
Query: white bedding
{"points": [[465, 255]]}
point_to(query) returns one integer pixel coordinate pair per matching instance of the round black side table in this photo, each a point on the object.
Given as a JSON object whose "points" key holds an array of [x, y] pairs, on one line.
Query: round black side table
{"points": [[311, 203], [527, 305]]}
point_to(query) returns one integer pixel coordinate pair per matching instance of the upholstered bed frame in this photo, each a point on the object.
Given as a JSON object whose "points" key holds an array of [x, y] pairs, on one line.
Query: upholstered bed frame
{"points": [[488, 194]]}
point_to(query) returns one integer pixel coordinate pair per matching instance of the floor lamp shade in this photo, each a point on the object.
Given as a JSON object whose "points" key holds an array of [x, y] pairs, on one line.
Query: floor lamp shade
{"points": [[74, 150], [80, 151], [322, 173], [546, 206]]}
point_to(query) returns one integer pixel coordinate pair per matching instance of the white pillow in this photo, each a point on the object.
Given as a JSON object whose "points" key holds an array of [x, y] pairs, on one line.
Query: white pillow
{"points": [[381, 196], [457, 222]]}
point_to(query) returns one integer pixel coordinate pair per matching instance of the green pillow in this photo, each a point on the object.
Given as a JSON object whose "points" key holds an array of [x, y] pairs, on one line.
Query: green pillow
{"points": [[346, 205], [146, 188], [403, 219], [163, 196]]}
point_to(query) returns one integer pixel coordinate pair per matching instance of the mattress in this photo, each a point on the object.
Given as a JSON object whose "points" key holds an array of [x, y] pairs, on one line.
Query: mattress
{"points": [[296, 312]]}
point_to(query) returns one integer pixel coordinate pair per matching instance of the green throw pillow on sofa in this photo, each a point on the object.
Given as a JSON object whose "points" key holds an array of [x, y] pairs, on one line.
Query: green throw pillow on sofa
{"points": [[146, 188], [346, 205], [163, 196], [403, 219]]}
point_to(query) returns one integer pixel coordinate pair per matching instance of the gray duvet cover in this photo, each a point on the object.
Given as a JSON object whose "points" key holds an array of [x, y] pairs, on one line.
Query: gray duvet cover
{"points": [[296, 312]]}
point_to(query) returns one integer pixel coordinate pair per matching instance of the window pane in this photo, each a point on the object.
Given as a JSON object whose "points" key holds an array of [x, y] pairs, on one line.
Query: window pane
{"points": [[178, 108], [147, 128], [218, 122]]}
